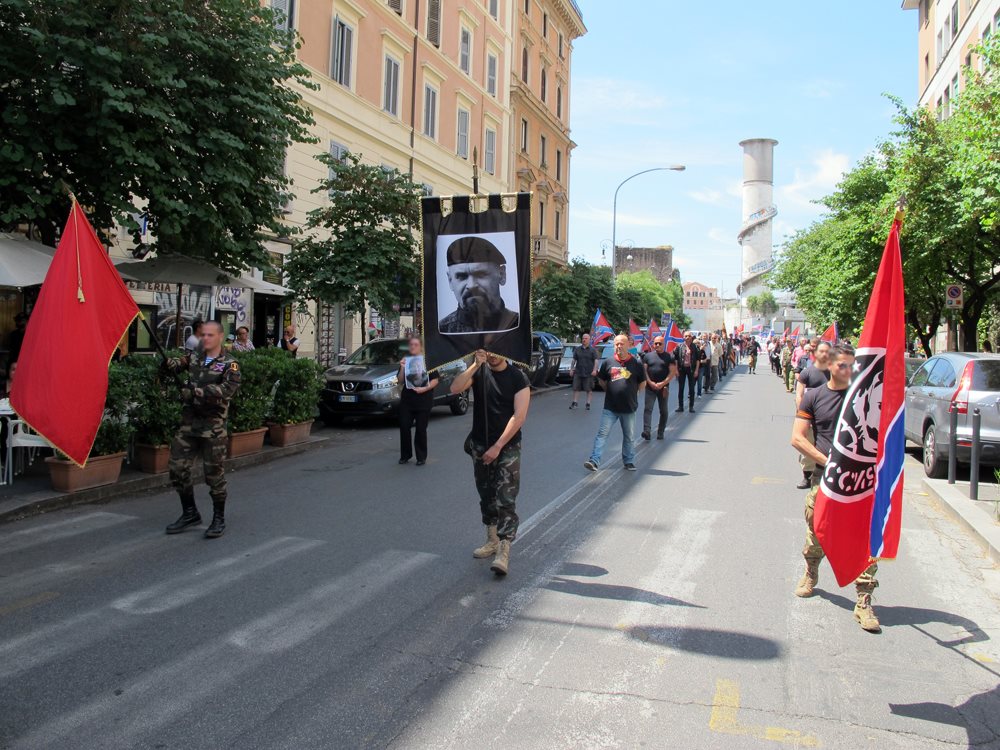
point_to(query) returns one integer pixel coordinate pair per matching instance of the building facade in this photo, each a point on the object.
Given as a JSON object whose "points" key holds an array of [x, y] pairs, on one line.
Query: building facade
{"points": [[948, 30], [703, 305], [657, 260], [543, 34]]}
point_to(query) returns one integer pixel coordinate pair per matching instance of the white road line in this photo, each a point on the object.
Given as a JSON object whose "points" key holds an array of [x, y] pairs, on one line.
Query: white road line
{"points": [[221, 573], [165, 692], [50, 532]]}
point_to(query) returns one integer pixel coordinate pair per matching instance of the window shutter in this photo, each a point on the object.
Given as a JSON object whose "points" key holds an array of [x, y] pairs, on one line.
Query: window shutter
{"points": [[396, 5], [491, 75], [463, 134], [434, 22], [280, 8], [348, 48]]}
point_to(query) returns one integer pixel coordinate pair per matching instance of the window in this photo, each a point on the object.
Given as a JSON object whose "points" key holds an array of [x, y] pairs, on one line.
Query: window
{"points": [[465, 51], [527, 7], [924, 12], [430, 111], [434, 22], [541, 217], [954, 21], [284, 14], [561, 42], [339, 153], [542, 145], [396, 5], [559, 102], [558, 220], [940, 47], [495, 9], [490, 151], [462, 141], [942, 376], [390, 96], [524, 64], [545, 84], [545, 25], [428, 190], [491, 74], [341, 47], [524, 136], [558, 164]]}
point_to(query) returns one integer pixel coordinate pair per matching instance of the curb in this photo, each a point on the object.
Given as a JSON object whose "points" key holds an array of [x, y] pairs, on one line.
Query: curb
{"points": [[148, 482], [962, 510]]}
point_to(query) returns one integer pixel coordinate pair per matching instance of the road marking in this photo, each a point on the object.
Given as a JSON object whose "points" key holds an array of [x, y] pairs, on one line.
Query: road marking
{"points": [[31, 601], [767, 480], [725, 720], [50, 532]]}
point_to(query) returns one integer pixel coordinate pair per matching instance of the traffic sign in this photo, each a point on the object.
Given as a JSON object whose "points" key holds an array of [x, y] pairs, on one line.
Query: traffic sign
{"points": [[954, 297]]}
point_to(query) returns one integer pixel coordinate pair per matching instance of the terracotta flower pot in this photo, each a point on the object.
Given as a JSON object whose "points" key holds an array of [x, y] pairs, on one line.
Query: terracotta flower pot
{"points": [[153, 459], [290, 434], [99, 471], [246, 443]]}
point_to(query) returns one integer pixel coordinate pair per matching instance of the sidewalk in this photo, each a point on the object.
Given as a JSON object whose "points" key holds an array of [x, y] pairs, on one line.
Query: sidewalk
{"points": [[978, 516]]}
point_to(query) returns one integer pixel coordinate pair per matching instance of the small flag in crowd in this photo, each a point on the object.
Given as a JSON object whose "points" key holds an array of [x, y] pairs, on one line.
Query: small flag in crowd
{"points": [[860, 502], [601, 330], [638, 337], [832, 334], [795, 332], [674, 336], [654, 330], [84, 306]]}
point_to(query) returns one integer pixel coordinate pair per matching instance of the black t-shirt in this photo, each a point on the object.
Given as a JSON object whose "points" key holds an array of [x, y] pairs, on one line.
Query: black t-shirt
{"points": [[753, 347], [813, 377], [419, 401], [821, 406], [495, 390], [658, 365], [284, 345], [804, 361], [621, 384], [584, 358]]}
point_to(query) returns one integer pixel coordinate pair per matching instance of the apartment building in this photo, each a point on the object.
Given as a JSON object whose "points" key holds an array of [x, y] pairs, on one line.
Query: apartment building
{"points": [[543, 36], [948, 31], [659, 261]]}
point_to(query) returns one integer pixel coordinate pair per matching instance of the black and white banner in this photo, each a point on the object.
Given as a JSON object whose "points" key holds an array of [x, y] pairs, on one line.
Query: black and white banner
{"points": [[477, 277]]}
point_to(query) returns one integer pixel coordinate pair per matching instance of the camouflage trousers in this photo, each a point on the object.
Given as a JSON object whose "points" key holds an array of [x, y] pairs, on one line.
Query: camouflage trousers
{"points": [[498, 484], [211, 449], [866, 583]]}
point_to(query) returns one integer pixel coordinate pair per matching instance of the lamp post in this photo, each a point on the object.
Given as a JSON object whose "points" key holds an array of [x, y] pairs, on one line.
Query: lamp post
{"points": [[614, 212]]}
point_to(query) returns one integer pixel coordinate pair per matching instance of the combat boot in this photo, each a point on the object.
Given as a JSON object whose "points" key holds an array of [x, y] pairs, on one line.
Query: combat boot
{"points": [[865, 614], [218, 526], [189, 514], [490, 548], [502, 561], [809, 579]]}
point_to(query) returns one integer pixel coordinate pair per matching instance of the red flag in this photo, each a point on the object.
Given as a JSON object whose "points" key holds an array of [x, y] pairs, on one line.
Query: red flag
{"points": [[860, 502], [82, 312], [741, 328], [795, 332], [638, 337], [601, 330], [831, 334], [654, 330]]}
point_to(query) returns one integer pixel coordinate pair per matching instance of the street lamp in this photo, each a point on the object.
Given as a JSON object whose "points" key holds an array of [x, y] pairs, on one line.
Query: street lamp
{"points": [[614, 213]]}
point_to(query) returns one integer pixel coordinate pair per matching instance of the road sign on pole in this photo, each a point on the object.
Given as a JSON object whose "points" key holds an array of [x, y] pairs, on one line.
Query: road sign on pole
{"points": [[954, 297]]}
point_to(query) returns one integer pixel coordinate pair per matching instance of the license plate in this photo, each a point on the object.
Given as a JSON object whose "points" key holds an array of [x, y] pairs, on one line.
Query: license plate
{"points": [[349, 399]]}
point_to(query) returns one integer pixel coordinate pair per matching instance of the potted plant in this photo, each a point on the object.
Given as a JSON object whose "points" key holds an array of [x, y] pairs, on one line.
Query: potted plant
{"points": [[113, 436], [295, 400], [157, 413], [248, 410]]}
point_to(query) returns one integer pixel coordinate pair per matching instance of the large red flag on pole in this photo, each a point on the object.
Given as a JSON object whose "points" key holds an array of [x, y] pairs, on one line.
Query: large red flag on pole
{"points": [[831, 335], [860, 502], [82, 312]]}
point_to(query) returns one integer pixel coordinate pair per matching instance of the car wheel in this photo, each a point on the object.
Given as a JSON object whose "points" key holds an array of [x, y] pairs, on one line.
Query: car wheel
{"points": [[934, 466], [460, 404]]}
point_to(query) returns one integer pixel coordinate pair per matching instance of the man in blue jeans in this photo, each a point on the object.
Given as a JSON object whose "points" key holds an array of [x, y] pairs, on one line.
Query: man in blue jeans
{"points": [[623, 377]]}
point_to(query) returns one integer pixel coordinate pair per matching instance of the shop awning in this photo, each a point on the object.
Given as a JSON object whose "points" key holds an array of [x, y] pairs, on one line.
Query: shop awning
{"points": [[189, 271], [23, 262]]}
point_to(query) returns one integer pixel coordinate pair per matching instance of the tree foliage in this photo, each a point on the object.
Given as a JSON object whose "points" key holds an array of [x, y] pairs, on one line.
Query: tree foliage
{"points": [[763, 304], [175, 107], [361, 247]]}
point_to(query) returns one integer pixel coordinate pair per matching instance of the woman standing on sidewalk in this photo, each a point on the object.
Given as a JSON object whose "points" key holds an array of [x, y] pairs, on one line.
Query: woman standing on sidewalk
{"points": [[416, 400]]}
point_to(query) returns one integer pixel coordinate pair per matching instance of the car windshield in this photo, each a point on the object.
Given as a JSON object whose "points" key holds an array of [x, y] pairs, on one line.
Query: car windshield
{"points": [[986, 376], [379, 353]]}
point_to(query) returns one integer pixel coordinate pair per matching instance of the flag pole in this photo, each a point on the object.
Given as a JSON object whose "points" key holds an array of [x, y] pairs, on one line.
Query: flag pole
{"points": [[159, 347]]}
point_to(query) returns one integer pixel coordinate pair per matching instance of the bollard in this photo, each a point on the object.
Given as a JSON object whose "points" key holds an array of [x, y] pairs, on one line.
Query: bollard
{"points": [[977, 421], [952, 444]]}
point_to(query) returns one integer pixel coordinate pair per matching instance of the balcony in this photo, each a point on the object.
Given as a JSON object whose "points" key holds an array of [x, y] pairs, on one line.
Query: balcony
{"points": [[547, 250]]}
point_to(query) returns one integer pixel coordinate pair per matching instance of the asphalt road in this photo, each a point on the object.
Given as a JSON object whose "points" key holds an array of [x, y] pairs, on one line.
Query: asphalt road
{"points": [[343, 609]]}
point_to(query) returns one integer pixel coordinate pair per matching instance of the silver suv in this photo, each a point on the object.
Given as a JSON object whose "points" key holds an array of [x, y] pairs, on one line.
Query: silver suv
{"points": [[964, 381]]}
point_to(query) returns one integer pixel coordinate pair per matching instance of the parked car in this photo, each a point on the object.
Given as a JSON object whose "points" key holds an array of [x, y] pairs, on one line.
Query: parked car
{"points": [[546, 351], [367, 384], [566, 363], [912, 365], [964, 381]]}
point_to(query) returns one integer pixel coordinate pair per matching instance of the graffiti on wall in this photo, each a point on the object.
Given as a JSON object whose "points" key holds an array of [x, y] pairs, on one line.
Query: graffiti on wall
{"points": [[195, 305], [237, 300]]}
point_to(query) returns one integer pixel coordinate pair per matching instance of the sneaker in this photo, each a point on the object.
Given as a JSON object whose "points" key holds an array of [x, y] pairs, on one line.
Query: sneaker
{"points": [[659, 436], [590, 465], [630, 467], [679, 410], [588, 407], [691, 409], [573, 405], [645, 436]]}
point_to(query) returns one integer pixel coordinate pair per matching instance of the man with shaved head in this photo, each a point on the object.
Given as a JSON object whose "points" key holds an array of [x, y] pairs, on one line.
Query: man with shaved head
{"points": [[476, 271]]}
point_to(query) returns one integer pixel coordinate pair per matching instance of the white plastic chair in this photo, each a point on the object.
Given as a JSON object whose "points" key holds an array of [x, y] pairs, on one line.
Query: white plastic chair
{"points": [[19, 435]]}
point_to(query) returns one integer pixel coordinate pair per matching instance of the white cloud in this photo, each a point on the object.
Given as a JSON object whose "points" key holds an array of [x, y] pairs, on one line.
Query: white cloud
{"points": [[722, 236], [617, 100], [712, 197], [828, 167]]}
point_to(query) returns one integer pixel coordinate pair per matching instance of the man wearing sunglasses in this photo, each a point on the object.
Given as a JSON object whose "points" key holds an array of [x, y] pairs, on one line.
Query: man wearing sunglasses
{"points": [[820, 410], [688, 360], [660, 370]]}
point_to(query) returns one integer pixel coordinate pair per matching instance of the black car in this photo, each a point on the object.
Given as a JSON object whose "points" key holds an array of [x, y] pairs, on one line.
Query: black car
{"points": [[367, 384]]}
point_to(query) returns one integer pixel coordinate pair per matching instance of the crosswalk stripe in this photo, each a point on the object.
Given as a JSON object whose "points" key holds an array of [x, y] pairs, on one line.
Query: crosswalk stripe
{"points": [[57, 530], [164, 692]]}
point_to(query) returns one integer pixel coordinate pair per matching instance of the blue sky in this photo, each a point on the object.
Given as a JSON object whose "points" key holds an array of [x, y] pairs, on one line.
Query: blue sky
{"points": [[660, 82]]}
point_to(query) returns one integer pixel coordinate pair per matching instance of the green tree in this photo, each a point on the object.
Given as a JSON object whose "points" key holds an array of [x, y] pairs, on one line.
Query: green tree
{"points": [[762, 304], [644, 297], [175, 107], [361, 247]]}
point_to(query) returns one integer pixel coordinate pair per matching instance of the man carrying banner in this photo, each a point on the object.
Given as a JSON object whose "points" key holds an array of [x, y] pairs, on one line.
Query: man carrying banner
{"points": [[213, 377], [501, 394], [819, 411]]}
